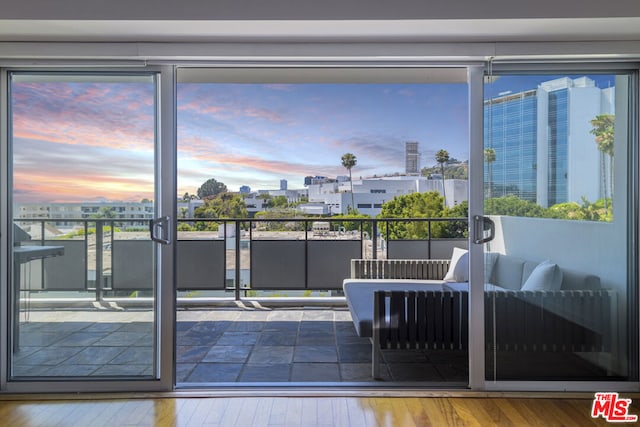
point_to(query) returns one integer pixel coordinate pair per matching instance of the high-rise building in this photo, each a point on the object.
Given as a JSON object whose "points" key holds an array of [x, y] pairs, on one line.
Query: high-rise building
{"points": [[412, 158], [509, 127], [283, 184], [544, 151]]}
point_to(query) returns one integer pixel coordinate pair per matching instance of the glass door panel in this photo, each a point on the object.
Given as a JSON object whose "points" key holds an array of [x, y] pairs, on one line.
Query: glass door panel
{"points": [[270, 146], [558, 275], [83, 282]]}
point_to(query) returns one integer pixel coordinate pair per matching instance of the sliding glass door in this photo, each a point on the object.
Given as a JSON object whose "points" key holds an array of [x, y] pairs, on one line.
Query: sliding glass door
{"points": [[533, 180], [83, 192], [560, 285]]}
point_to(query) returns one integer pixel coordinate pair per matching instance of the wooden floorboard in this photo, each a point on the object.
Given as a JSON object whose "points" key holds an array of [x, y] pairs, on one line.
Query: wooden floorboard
{"points": [[302, 411]]}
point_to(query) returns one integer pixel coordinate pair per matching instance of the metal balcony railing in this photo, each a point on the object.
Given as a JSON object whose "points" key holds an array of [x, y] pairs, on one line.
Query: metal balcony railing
{"points": [[114, 257]]}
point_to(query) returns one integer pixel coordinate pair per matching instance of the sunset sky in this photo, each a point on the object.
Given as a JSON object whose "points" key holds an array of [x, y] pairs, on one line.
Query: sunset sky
{"points": [[249, 134], [79, 140]]}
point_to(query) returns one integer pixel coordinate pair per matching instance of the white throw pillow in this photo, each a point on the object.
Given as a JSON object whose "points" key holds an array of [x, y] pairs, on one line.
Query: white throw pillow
{"points": [[459, 267], [545, 277]]}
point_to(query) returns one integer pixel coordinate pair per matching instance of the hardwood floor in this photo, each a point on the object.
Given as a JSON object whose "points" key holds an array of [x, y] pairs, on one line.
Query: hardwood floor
{"points": [[302, 411]]}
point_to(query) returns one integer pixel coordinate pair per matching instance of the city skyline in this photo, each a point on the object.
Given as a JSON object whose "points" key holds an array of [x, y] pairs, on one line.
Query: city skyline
{"points": [[84, 141], [292, 131]]}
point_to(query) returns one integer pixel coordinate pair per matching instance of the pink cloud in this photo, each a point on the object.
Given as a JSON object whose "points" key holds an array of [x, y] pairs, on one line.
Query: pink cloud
{"points": [[264, 114], [100, 114]]}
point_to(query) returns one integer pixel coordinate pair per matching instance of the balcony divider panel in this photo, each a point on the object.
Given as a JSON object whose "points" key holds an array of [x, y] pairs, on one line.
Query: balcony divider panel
{"points": [[67, 272], [200, 265], [277, 264], [329, 262], [128, 275]]}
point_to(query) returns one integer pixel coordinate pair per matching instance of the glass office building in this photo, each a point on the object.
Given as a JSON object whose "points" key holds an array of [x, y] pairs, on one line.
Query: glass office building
{"points": [[533, 133], [510, 129]]}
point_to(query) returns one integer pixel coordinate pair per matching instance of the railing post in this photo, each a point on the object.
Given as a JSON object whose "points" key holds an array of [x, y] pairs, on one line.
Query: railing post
{"points": [[387, 239], [237, 289], [306, 253], [374, 239], [99, 266], [429, 239]]}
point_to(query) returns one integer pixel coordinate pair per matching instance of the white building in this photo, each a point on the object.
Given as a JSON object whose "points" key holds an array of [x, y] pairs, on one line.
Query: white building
{"points": [[572, 107], [557, 160], [136, 213], [370, 194]]}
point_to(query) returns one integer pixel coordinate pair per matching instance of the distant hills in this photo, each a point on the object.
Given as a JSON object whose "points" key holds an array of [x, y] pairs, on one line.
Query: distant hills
{"points": [[452, 170]]}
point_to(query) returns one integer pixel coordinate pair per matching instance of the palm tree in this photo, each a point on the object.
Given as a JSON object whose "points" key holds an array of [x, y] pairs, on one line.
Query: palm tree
{"points": [[349, 161], [604, 130], [442, 157], [489, 157]]}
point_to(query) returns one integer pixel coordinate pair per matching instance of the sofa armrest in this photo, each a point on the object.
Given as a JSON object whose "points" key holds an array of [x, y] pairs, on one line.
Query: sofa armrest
{"points": [[419, 269]]}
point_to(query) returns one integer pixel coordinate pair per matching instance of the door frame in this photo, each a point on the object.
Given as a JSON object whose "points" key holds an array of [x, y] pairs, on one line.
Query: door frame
{"points": [[165, 182], [166, 152]]}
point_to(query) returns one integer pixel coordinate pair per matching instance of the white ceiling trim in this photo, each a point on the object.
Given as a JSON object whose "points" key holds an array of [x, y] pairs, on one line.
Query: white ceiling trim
{"points": [[458, 30], [309, 54]]}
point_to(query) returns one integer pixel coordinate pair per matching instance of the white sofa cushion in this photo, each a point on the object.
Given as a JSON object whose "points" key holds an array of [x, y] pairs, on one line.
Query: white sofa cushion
{"points": [[459, 267], [359, 295], [464, 287], [545, 277]]}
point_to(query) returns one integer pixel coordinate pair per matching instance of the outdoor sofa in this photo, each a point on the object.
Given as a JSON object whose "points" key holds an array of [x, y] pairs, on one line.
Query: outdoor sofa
{"points": [[424, 304]]}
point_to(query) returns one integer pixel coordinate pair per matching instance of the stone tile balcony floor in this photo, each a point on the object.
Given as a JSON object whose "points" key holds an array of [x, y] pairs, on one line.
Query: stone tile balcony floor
{"points": [[223, 345], [294, 345]]}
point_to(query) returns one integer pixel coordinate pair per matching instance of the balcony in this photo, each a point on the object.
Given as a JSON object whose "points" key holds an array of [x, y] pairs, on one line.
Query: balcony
{"points": [[257, 302], [260, 301]]}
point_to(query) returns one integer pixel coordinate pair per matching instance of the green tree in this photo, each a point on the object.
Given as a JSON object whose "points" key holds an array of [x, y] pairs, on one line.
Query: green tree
{"points": [[489, 158], [349, 161], [442, 157], [105, 212], [183, 226], [600, 210], [604, 131], [414, 205], [567, 210], [352, 225], [267, 201], [224, 205], [456, 228], [514, 206], [211, 188], [280, 202]]}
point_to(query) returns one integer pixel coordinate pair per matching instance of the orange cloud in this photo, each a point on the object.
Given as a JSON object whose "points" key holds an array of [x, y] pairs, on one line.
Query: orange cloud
{"points": [[34, 187]]}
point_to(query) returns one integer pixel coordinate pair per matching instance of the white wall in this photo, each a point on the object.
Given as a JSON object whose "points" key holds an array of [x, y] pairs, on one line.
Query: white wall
{"points": [[592, 247]]}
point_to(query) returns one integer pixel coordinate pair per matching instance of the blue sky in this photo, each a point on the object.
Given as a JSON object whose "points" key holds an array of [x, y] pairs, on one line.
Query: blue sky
{"points": [[80, 141], [250, 134]]}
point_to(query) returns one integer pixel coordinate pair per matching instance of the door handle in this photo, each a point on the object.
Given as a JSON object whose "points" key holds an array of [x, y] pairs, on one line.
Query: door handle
{"points": [[482, 224], [159, 229]]}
